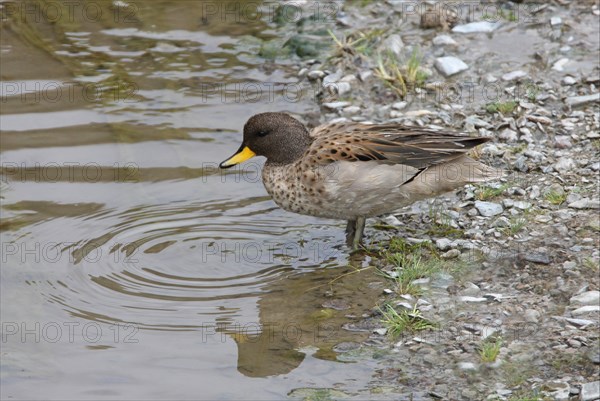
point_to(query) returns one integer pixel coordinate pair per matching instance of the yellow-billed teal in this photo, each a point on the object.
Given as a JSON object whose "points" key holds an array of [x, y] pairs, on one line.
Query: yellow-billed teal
{"points": [[353, 171]]}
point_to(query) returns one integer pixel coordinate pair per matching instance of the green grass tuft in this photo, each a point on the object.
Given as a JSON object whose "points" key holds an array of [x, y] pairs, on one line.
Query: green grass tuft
{"points": [[404, 321], [489, 349], [501, 107]]}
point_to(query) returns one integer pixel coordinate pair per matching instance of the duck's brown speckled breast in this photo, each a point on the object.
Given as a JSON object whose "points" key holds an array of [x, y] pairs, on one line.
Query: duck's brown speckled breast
{"points": [[298, 188]]}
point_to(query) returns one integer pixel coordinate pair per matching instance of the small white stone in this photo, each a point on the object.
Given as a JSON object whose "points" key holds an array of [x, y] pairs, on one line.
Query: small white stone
{"points": [[467, 366], [554, 21], [449, 65], [586, 309], [569, 80], [560, 64], [444, 40], [473, 299], [590, 391], [514, 75], [476, 27], [586, 298]]}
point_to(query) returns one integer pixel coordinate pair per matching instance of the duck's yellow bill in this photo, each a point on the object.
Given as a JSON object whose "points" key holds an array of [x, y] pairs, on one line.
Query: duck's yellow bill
{"points": [[244, 153]]}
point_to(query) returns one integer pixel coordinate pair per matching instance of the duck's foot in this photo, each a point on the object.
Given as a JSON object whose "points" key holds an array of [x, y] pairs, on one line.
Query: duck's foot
{"points": [[354, 232]]}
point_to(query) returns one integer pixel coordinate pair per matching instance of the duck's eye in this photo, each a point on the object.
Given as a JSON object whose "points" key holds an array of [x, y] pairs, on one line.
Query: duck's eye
{"points": [[262, 133]]}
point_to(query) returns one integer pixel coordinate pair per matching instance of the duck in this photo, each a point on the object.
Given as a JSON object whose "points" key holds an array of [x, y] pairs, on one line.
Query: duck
{"points": [[353, 171]]}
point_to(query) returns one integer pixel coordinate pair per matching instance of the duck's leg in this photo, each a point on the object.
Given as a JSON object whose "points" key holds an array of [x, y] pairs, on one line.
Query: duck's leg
{"points": [[360, 229], [350, 232]]}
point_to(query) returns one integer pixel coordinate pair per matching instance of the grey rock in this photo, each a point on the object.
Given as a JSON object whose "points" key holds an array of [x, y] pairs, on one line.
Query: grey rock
{"points": [[449, 65], [579, 100], [336, 105], [560, 64], [559, 389], [569, 80], [351, 110], [590, 391], [508, 135], [585, 310], [511, 76], [532, 316], [573, 197], [564, 164], [521, 164], [594, 355], [451, 254], [381, 331], [488, 209], [586, 298], [585, 203], [537, 257], [364, 75], [471, 299], [568, 265], [562, 142], [316, 74], [399, 105], [444, 40], [554, 189], [554, 21], [470, 289], [443, 244], [522, 205], [501, 222], [476, 27], [394, 44], [467, 366]]}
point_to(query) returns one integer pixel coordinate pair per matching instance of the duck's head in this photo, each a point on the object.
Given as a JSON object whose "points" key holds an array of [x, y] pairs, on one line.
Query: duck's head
{"points": [[277, 136]]}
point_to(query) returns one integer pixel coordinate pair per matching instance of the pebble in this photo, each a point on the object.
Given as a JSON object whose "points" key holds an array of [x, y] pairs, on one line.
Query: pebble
{"points": [[569, 80], [590, 391], [449, 65], [394, 44], [381, 331], [586, 309], [467, 366], [532, 316], [554, 21], [508, 135], [559, 389], [443, 244], [537, 257], [467, 298], [399, 105], [444, 40], [562, 142], [470, 289], [555, 189], [451, 254], [476, 27], [501, 221], [336, 105], [316, 74], [522, 205], [564, 164], [560, 64], [511, 76], [392, 220], [579, 100], [586, 298], [364, 75], [585, 203], [351, 110], [488, 209]]}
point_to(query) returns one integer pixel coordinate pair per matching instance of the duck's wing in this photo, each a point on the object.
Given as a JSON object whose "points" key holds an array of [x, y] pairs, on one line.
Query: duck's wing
{"points": [[388, 144]]}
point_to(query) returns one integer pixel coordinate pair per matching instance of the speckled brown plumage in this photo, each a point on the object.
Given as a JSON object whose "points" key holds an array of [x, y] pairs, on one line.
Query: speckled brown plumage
{"points": [[353, 171]]}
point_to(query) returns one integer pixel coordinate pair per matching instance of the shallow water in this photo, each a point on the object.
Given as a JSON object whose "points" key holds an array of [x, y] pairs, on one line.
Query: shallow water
{"points": [[132, 267]]}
